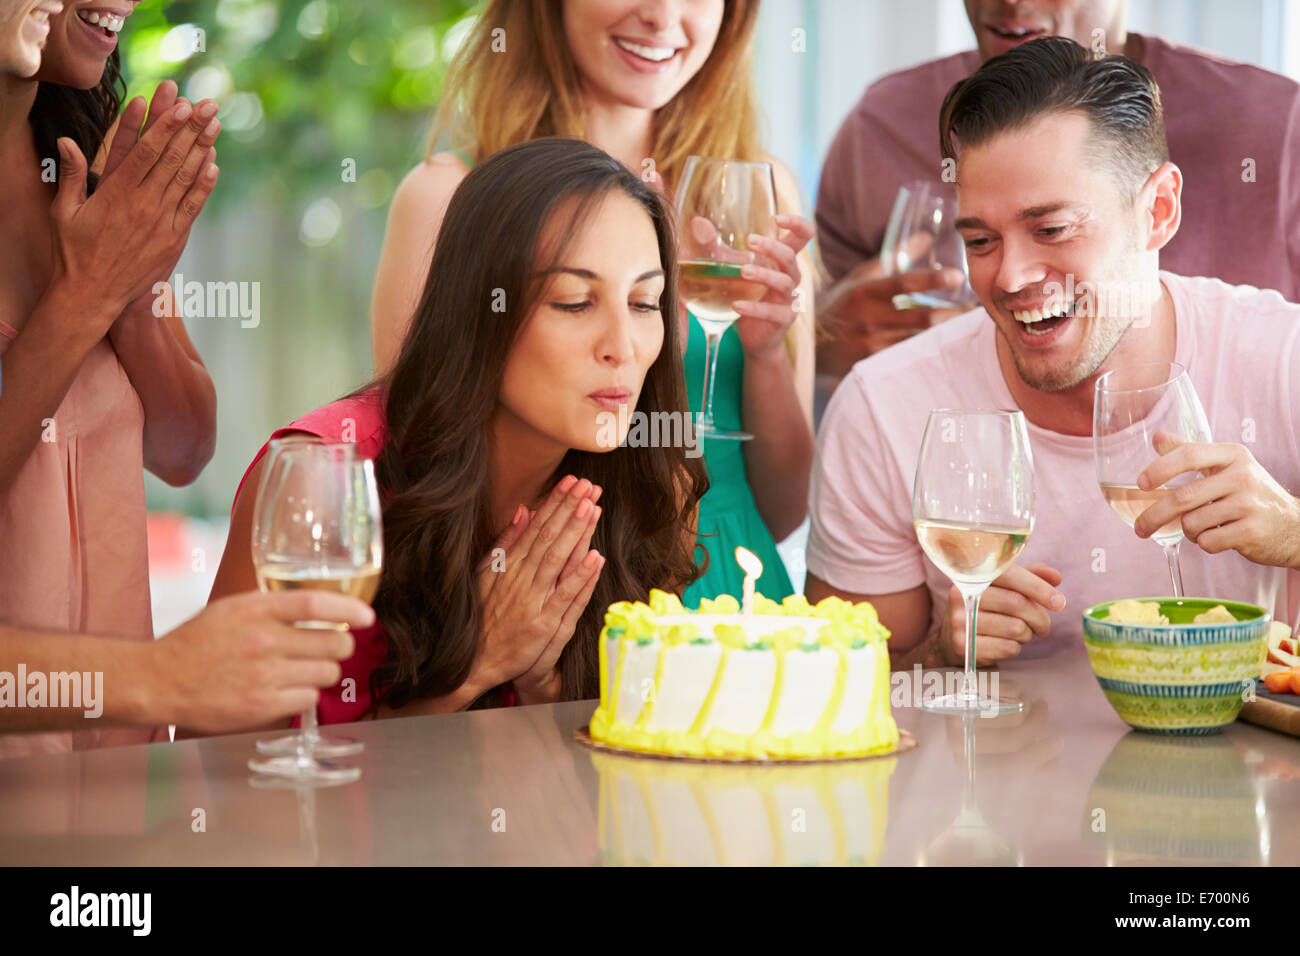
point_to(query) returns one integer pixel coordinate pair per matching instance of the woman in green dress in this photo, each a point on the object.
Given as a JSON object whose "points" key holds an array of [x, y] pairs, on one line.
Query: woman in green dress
{"points": [[651, 84], [729, 516]]}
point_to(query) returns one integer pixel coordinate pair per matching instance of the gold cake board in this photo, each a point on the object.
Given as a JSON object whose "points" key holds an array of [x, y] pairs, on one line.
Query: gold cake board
{"points": [[906, 741]]}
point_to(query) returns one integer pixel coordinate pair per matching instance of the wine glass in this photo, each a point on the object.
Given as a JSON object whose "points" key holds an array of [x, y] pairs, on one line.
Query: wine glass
{"points": [[316, 525], [287, 744], [973, 510], [1131, 405], [921, 235], [719, 204]]}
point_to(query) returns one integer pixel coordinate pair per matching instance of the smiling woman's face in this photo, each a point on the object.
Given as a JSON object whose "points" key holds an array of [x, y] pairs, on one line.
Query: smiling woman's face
{"points": [[81, 40], [586, 346], [24, 26], [640, 52]]}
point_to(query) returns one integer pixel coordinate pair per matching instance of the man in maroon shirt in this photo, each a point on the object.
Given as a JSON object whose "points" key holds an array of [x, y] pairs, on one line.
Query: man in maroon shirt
{"points": [[1233, 131]]}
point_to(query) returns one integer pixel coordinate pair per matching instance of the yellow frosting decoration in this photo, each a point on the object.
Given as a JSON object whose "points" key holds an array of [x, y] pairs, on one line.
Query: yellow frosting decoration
{"points": [[851, 633]]}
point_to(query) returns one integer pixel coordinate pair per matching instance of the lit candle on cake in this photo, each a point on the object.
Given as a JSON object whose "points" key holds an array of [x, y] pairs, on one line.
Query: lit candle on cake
{"points": [[753, 569]]}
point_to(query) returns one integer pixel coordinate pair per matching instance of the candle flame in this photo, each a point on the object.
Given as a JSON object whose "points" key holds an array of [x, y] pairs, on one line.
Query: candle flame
{"points": [[749, 562]]}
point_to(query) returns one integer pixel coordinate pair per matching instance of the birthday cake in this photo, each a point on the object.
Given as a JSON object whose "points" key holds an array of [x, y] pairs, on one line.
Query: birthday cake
{"points": [[789, 681]]}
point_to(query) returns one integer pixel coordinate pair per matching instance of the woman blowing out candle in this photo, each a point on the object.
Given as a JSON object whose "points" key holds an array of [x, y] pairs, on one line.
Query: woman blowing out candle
{"points": [[511, 518], [651, 82]]}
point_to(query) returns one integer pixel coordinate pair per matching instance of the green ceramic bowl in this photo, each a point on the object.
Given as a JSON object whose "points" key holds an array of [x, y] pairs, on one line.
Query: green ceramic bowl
{"points": [[1177, 678]]}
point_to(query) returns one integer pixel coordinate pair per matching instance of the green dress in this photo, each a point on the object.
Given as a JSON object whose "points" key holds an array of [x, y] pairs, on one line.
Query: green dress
{"points": [[728, 514]]}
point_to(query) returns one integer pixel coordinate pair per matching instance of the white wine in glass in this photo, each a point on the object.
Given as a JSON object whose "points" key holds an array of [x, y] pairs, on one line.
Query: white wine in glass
{"points": [[276, 577], [362, 585], [316, 526], [1130, 406], [973, 511], [720, 203]]}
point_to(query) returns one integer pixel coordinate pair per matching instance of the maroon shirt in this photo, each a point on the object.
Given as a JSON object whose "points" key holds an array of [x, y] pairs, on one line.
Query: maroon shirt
{"points": [[1218, 113]]}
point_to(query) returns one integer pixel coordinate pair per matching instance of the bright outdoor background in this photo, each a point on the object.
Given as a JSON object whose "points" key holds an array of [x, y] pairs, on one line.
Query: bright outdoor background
{"points": [[313, 91]]}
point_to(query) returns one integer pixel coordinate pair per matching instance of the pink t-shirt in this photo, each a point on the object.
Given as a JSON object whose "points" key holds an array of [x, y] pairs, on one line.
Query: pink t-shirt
{"points": [[1239, 221], [1241, 347]]}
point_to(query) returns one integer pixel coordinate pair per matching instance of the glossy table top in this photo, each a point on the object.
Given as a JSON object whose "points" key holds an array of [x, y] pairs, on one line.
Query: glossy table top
{"points": [[1063, 782]]}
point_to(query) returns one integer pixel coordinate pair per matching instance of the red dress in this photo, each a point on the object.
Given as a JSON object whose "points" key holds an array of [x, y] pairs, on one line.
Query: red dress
{"points": [[359, 420]]}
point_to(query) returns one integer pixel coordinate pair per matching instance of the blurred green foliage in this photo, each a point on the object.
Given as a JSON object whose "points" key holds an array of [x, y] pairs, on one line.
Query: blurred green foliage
{"points": [[304, 86]]}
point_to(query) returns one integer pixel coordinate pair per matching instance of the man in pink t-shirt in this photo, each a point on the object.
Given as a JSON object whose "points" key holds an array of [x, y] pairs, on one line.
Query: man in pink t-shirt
{"points": [[1064, 183], [1232, 129]]}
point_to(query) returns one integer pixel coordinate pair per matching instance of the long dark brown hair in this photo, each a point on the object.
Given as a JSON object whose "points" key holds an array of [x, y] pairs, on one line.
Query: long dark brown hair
{"points": [[84, 116], [443, 392]]}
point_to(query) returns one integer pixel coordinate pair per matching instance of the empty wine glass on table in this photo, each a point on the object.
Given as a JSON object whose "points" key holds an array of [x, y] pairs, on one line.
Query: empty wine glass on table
{"points": [[719, 204], [973, 510], [316, 525], [921, 234], [1131, 405]]}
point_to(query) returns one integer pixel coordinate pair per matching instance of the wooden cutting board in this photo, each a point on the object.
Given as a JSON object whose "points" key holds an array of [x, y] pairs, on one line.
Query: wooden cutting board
{"points": [[1280, 712]]}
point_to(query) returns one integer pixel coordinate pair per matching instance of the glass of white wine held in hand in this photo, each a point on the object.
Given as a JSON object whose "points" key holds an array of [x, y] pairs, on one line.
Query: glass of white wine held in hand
{"points": [[1131, 406], [316, 525], [973, 510], [720, 203]]}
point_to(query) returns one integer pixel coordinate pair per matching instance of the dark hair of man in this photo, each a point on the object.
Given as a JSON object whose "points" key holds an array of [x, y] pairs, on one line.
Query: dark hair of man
{"points": [[1050, 75]]}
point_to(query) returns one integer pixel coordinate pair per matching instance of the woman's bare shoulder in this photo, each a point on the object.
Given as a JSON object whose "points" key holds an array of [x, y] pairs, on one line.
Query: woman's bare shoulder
{"points": [[431, 182]]}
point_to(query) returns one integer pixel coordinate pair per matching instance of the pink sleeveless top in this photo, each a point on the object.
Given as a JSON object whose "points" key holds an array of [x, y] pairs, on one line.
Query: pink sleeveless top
{"points": [[359, 420], [73, 546]]}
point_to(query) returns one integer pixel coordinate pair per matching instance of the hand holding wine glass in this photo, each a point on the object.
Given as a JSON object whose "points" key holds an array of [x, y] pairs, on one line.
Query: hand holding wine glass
{"points": [[721, 205], [1236, 506], [859, 318], [1131, 405], [763, 323], [973, 510], [317, 526]]}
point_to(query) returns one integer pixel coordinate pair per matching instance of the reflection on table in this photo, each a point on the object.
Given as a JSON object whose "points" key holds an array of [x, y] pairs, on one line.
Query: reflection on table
{"points": [[677, 813], [512, 786]]}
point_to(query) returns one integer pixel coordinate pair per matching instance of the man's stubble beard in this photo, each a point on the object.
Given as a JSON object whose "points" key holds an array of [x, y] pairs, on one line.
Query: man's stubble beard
{"points": [[1108, 332]]}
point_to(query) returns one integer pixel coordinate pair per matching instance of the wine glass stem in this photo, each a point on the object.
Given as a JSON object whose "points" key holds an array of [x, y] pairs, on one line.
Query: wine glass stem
{"points": [[308, 735], [972, 601], [711, 342], [1175, 570]]}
